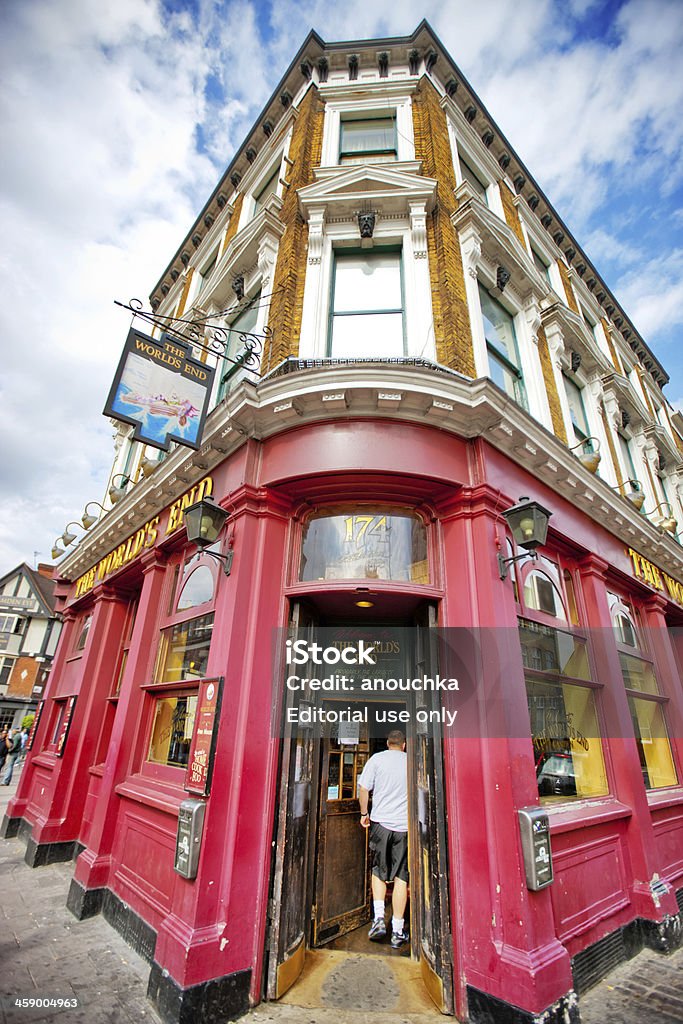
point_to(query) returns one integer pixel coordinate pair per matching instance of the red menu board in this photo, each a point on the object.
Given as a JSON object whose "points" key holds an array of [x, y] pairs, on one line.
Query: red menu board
{"points": [[66, 723], [39, 711], [203, 746]]}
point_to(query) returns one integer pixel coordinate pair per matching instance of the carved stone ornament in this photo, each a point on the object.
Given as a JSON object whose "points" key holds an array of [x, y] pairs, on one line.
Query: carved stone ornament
{"points": [[196, 239], [418, 229], [285, 98], [366, 224], [575, 361], [519, 182], [430, 60], [625, 417], [208, 220], [316, 225], [533, 202], [504, 161], [470, 114], [451, 87], [238, 287], [353, 67], [502, 277], [383, 64], [184, 258], [323, 69], [546, 220], [235, 178], [175, 274], [251, 154], [414, 62], [306, 69]]}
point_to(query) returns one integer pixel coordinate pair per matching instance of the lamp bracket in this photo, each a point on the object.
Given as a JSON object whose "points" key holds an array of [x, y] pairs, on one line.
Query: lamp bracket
{"points": [[504, 562], [226, 559]]}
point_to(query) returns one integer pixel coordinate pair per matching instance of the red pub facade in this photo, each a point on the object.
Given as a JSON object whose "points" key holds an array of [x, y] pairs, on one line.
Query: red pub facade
{"points": [[432, 349]]}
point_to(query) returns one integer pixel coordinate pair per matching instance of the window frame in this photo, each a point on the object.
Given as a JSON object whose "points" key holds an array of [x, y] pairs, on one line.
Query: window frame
{"points": [[231, 362], [356, 116], [640, 652], [378, 250], [493, 352]]}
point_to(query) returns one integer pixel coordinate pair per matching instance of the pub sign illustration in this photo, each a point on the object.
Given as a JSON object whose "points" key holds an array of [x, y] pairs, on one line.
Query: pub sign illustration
{"points": [[161, 390]]}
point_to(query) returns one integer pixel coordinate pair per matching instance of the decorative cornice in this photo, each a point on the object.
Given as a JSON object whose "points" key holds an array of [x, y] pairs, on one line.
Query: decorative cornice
{"points": [[413, 392]]}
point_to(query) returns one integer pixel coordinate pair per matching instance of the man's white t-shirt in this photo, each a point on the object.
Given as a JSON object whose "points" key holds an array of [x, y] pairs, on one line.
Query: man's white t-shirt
{"points": [[385, 775]]}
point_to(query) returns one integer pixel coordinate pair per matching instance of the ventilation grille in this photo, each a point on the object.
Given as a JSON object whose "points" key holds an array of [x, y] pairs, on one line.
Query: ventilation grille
{"points": [[591, 965], [679, 900]]}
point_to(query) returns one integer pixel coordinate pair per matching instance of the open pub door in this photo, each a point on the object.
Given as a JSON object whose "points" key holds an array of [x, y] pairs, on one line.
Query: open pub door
{"points": [[429, 865], [288, 904]]}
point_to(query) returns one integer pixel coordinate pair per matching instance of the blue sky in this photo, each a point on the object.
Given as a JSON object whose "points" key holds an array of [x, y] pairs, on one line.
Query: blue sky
{"points": [[118, 119]]}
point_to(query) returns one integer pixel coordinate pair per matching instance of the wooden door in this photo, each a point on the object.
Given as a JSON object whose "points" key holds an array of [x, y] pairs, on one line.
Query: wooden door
{"points": [[429, 866], [289, 915], [342, 898]]}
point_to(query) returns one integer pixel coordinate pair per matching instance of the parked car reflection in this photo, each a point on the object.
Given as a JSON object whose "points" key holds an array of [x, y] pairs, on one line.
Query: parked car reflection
{"points": [[555, 774]]}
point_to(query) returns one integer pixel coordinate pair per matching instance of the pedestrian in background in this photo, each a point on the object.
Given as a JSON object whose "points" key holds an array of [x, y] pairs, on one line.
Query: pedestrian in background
{"points": [[13, 754], [4, 735]]}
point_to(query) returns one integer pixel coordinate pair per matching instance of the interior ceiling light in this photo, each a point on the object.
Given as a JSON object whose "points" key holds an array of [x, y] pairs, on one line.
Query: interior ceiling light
{"points": [[365, 604]]}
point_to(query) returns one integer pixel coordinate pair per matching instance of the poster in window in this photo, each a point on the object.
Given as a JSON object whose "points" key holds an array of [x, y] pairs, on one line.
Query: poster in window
{"points": [[66, 725], [32, 733], [203, 745], [161, 390]]}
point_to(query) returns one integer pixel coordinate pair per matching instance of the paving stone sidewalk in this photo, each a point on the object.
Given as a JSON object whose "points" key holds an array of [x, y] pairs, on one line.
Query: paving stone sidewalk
{"points": [[45, 951]]}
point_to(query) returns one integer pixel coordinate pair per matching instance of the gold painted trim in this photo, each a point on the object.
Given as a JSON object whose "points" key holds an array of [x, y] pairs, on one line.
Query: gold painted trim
{"points": [[433, 983], [289, 971]]}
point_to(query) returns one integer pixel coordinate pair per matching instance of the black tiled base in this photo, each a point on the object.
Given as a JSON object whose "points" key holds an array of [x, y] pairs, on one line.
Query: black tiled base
{"points": [[10, 827], [83, 902], [486, 1009], [212, 1002], [39, 854], [129, 925]]}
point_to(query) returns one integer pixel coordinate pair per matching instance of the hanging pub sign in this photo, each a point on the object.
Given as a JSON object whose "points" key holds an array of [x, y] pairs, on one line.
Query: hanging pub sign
{"points": [[66, 725], [161, 390], [34, 727], [203, 745]]}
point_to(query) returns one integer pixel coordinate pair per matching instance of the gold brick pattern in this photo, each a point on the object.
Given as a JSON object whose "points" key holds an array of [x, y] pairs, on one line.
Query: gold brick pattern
{"points": [[234, 221], [612, 348], [511, 212], [551, 387], [612, 449], [641, 378], [452, 328], [185, 292], [569, 291], [290, 270]]}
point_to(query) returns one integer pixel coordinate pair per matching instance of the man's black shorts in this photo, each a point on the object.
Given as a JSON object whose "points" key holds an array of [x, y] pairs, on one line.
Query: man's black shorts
{"points": [[390, 853]]}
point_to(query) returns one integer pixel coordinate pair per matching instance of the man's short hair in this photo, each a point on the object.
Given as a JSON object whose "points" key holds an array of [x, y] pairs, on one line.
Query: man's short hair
{"points": [[396, 738]]}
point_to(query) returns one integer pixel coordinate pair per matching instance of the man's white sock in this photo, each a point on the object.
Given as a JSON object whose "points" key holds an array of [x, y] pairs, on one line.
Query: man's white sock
{"points": [[378, 906], [397, 924]]}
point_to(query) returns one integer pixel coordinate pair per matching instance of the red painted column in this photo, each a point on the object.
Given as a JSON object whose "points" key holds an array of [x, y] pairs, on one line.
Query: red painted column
{"points": [[506, 933], [62, 808], [216, 924], [93, 865], [621, 746]]}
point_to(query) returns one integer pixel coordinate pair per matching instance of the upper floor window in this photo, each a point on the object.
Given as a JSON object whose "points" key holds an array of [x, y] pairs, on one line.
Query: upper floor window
{"points": [[501, 344], [267, 189], [472, 178], [367, 316], [244, 323], [367, 138], [207, 270], [577, 413], [541, 264], [626, 457]]}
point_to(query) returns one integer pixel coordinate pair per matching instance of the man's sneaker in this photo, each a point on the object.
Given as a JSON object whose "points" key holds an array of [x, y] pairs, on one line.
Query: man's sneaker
{"points": [[378, 930], [399, 939]]}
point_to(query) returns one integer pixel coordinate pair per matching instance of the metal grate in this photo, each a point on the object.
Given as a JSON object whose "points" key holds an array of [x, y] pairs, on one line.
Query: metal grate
{"points": [[679, 900], [591, 965]]}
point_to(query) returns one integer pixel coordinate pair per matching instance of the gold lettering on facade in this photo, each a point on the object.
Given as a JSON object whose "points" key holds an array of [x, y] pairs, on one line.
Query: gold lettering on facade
{"points": [[657, 578]]}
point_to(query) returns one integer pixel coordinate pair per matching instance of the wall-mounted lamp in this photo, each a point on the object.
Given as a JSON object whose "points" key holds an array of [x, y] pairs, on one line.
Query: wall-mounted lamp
{"points": [[148, 465], [203, 522], [528, 522], [67, 537], [635, 493], [116, 493], [667, 522], [590, 456], [88, 519], [57, 552]]}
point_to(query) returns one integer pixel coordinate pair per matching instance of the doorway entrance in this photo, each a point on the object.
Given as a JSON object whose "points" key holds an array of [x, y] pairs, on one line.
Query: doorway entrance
{"points": [[320, 896]]}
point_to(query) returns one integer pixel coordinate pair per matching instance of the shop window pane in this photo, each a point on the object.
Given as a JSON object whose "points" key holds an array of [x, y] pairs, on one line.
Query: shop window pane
{"points": [[198, 589], [552, 650], [567, 744], [542, 595], [172, 730], [184, 650], [83, 635], [653, 743], [638, 674], [368, 545]]}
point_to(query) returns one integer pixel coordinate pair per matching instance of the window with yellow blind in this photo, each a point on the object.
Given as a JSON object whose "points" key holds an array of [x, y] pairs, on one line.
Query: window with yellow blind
{"points": [[646, 702]]}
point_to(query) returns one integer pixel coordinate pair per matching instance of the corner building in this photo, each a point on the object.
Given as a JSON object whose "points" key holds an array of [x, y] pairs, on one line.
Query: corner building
{"points": [[412, 339]]}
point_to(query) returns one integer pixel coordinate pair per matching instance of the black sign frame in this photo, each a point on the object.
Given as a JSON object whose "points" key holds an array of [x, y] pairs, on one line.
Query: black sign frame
{"points": [[174, 359]]}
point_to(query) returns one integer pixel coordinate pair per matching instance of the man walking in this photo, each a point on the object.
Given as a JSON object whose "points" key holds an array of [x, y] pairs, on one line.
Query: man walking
{"points": [[13, 753], [385, 775]]}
